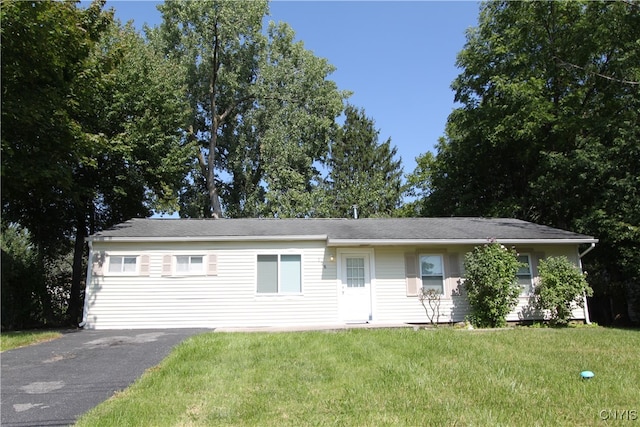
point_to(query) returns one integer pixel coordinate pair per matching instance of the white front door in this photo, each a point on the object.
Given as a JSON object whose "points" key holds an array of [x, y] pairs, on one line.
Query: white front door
{"points": [[356, 287]]}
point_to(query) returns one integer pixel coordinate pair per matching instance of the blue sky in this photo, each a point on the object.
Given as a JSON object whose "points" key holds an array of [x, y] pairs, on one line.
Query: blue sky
{"points": [[398, 58]]}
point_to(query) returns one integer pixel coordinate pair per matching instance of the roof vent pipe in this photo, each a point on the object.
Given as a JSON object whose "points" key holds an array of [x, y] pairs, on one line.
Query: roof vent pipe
{"points": [[355, 211]]}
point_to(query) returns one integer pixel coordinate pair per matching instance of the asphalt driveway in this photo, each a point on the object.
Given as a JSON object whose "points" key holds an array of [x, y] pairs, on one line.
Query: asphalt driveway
{"points": [[53, 383]]}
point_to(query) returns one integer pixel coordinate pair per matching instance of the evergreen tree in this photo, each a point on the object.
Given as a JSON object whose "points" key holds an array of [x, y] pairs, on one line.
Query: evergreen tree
{"points": [[362, 171]]}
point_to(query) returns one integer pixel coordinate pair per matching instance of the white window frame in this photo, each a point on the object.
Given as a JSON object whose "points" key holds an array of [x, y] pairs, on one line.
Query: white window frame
{"points": [[189, 271], [121, 271], [441, 256], [279, 256], [526, 290]]}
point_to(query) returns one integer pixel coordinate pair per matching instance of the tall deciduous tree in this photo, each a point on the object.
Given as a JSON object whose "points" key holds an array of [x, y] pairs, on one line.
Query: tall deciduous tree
{"points": [[549, 125], [362, 171], [91, 127], [45, 46], [131, 110], [262, 107]]}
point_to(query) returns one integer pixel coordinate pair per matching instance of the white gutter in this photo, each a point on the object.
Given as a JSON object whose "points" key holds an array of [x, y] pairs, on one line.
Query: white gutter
{"points": [[338, 242], [437, 242], [587, 320], [85, 308], [294, 238], [589, 249]]}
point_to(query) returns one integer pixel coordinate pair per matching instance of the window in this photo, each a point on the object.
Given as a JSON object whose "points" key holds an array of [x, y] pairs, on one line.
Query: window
{"points": [[432, 273], [189, 264], [524, 274], [122, 264], [279, 274], [355, 273]]}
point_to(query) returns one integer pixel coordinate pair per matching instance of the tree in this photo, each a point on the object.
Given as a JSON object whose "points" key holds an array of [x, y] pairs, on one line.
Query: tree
{"points": [[91, 130], [131, 110], [44, 49], [491, 283], [362, 171], [417, 189], [22, 276], [262, 107], [548, 127], [562, 285]]}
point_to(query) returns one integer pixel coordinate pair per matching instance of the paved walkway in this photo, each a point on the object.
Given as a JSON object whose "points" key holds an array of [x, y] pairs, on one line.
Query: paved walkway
{"points": [[53, 383]]}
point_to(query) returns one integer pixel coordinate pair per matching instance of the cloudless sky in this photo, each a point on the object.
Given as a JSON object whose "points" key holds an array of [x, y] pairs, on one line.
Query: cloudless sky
{"points": [[398, 58]]}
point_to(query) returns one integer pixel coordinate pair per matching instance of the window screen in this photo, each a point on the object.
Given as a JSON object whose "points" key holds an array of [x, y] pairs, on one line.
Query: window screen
{"points": [[432, 273], [267, 273]]}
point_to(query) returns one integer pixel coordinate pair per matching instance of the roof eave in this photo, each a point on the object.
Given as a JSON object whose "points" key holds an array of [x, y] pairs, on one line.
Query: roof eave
{"points": [[341, 242], [443, 242], [165, 239]]}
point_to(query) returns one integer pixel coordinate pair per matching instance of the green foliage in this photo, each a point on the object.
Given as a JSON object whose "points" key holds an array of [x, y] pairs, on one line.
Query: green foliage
{"points": [[262, 109], [561, 286], [296, 116], [362, 171], [548, 128], [491, 283], [418, 187], [132, 113], [91, 119], [22, 275], [44, 48]]}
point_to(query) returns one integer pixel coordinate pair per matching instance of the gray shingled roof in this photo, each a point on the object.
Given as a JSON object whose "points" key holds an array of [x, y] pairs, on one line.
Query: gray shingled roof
{"points": [[374, 229]]}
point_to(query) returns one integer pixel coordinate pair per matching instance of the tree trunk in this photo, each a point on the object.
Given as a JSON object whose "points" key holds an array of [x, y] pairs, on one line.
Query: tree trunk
{"points": [[214, 197], [43, 291], [74, 311]]}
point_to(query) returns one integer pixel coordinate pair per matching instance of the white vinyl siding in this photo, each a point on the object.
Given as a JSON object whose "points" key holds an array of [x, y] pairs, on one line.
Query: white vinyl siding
{"points": [[228, 298], [393, 302]]}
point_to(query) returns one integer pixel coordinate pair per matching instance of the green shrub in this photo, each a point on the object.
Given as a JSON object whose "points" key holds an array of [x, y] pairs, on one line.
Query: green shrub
{"points": [[562, 285], [491, 283]]}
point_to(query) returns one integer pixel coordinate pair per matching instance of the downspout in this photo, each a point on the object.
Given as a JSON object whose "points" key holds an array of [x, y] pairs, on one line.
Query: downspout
{"points": [[589, 249], [85, 308], [584, 295]]}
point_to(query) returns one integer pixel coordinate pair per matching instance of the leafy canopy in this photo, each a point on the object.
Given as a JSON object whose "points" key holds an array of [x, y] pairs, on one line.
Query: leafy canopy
{"points": [[91, 118], [547, 130], [262, 109]]}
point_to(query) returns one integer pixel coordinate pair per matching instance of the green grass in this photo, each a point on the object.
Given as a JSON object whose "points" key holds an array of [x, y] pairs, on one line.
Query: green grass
{"points": [[443, 377], [10, 340]]}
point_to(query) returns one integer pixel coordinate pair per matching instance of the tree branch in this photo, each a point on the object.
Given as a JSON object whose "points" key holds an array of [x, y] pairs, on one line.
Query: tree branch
{"points": [[613, 79]]}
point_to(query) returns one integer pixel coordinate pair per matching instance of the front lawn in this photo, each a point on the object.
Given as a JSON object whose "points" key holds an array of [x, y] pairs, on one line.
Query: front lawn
{"points": [[522, 376], [10, 340]]}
